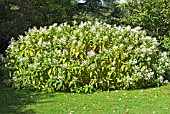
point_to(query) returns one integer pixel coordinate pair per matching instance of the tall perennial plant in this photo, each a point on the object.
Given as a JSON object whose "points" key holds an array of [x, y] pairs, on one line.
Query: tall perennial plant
{"points": [[85, 57]]}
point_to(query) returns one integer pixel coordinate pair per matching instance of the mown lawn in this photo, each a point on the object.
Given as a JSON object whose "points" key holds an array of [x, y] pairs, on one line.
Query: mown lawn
{"points": [[143, 101]]}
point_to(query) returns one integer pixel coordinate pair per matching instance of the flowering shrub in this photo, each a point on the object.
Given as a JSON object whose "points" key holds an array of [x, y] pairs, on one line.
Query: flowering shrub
{"points": [[85, 57]]}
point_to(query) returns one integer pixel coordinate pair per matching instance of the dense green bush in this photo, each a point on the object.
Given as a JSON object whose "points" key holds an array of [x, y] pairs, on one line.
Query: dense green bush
{"points": [[153, 16], [85, 57]]}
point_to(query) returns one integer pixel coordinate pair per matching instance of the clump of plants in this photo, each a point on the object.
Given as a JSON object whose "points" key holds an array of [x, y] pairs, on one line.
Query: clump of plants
{"points": [[85, 57]]}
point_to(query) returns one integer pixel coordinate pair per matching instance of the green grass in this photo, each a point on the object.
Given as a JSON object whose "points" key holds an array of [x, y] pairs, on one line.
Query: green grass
{"points": [[143, 101]]}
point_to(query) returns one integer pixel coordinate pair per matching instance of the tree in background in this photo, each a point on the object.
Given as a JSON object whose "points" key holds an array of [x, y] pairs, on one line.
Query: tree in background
{"points": [[102, 10], [17, 16], [153, 16]]}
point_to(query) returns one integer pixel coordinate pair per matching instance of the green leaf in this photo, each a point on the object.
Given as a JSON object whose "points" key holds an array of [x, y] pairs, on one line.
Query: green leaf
{"points": [[91, 74], [122, 67], [49, 72], [60, 85], [70, 83], [119, 80], [76, 53], [86, 88]]}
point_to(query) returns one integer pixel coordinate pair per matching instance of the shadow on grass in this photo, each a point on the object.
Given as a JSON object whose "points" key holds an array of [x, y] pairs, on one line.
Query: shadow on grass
{"points": [[14, 102]]}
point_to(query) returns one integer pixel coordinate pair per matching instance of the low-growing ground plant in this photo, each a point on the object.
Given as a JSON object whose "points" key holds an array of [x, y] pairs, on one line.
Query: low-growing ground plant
{"points": [[85, 57]]}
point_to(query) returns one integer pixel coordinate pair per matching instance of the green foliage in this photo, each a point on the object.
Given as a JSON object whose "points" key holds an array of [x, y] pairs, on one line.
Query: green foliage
{"points": [[15, 19], [85, 57], [105, 11], [0, 63], [153, 16], [17, 16]]}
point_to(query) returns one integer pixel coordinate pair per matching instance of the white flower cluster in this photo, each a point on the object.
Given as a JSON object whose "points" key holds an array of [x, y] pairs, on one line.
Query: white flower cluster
{"points": [[90, 53]]}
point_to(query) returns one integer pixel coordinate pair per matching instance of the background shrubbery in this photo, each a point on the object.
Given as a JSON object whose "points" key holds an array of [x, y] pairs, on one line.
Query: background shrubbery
{"points": [[85, 57], [153, 16], [17, 16]]}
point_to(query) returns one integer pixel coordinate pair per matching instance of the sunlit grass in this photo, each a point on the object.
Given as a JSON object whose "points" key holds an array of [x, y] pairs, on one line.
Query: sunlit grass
{"points": [[148, 101]]}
